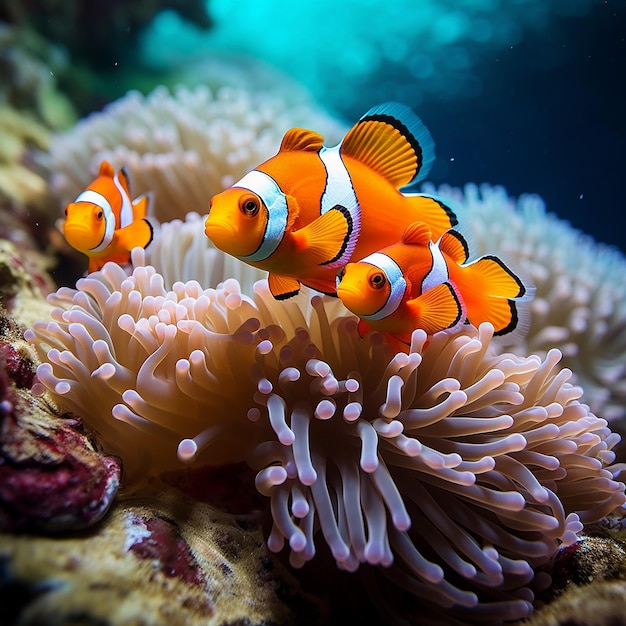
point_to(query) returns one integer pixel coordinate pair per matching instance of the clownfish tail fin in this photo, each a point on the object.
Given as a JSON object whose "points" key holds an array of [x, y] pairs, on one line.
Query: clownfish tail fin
{"points": [[503, 291], [502, 282], [503, 315], [393, 141]]}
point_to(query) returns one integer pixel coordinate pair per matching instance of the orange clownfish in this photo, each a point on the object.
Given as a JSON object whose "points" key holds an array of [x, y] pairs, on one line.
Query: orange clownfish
{"points": [[309, 209], [104, 223], [420, 283]]}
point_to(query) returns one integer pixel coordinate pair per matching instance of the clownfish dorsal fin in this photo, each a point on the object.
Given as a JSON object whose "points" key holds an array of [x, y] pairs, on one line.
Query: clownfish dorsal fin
{"points": [[393, 141], [122, 176], [301, 139], [454, 245], [418, 234], [106, 169]]}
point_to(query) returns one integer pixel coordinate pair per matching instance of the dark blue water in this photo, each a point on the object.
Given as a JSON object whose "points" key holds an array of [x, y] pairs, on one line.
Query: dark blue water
{"points": [[529, 94], [556, 129]]}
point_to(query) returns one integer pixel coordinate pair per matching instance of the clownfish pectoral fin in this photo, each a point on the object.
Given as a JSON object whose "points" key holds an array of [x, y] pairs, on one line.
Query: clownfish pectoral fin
{"points": [[455, 246], [136, 235], [301, 139], [363, 328], [327, 240], [437, 309], [393, 141], [418, 234], [283, 287]]}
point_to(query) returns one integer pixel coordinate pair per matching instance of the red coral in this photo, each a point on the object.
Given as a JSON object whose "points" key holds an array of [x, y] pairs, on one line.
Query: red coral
{"points": [[19, 369], [164, 544], [50, 477]]}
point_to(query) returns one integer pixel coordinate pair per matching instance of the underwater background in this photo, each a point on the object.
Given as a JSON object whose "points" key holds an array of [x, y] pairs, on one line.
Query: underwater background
{"points": [[529, 94]]}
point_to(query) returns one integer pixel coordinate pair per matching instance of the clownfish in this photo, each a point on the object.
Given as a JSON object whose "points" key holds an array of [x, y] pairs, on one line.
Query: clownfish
{"points": [[308, 210], [104, 222], [420, 283]]}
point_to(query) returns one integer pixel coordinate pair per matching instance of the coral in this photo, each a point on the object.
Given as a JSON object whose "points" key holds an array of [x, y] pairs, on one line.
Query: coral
{"points": [[51, 478], [580, 302], [24, 282], [459, 469], [159, 557], [29, 66], [591, 558], [31, 107], [17, 181], [185, 145], [588, 579]]}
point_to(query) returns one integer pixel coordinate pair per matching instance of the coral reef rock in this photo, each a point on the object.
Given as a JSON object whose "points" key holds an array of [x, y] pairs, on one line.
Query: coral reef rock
{"points": [[159, 557], [51, 478]]}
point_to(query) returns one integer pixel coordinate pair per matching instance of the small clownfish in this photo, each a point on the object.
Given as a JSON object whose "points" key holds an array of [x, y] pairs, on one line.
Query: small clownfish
{"points": [[308, 210], [104, 223], [419, 283]]}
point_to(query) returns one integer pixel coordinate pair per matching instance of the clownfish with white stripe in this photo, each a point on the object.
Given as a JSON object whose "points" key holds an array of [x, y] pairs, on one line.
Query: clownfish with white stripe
{"points": [[305, 212], [420, 283], [104, 222]]}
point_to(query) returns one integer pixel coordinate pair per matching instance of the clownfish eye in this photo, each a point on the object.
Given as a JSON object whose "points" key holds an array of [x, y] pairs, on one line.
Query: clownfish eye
{"points": [[249, 206], [377, 280], [65, 211], [99, 215]]}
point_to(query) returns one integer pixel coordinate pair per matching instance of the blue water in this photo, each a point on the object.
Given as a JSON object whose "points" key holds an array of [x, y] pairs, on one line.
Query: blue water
{"points": [[530, 94]]}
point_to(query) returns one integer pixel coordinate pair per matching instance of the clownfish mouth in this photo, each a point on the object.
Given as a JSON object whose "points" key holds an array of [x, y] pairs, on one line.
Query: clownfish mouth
{"points": [[219, 231], [78, 235], [352, 297]]}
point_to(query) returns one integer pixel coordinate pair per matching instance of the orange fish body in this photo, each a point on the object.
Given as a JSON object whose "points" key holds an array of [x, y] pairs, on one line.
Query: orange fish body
{"points": [[308, 210], [104, 223], [420, 283]]}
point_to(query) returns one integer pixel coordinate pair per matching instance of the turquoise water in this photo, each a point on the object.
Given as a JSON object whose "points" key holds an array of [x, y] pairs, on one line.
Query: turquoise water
{"points": [[525, 93]]}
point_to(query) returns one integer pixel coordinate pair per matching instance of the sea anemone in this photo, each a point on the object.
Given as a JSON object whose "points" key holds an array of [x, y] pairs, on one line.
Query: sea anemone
{"points": [[459, 470], [580, 302], [185, 146], [182, 252]]}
